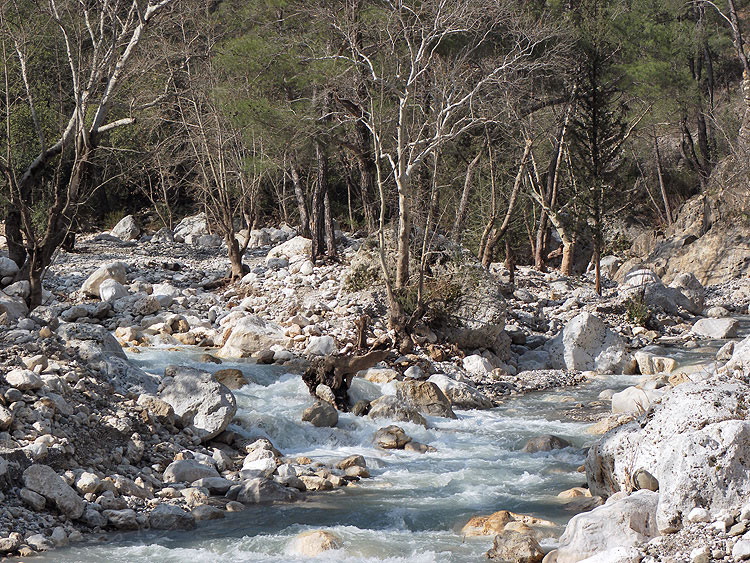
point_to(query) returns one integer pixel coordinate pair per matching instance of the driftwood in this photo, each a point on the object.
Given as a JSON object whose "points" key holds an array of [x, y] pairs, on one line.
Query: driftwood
{"points": [[338, 372]]}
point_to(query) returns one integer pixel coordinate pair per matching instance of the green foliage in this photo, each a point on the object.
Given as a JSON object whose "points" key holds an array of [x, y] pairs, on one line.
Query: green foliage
{"points": [[637, 310]]}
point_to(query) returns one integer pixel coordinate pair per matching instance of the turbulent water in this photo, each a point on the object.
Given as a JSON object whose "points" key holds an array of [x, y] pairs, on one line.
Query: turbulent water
{"points": [[413, 507]]}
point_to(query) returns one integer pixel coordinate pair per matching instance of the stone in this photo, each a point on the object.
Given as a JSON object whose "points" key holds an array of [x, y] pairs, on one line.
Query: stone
{"points": [[741, 550], [616, 555], [426, 397], [477, 365], [24, 380], [496, 523], [13, 307], [391, 438], [88, 483], [700, 555], [262, 490], [390, 407], [8, 268], [709, 467], [6, 418], [609, 265], [642, 479], [188, 471], [725, 352], [321, 346], [351, 461], [199, 399], [111, 290], [461, 395], [545, 443], [585, 344], [321, 414], [215, 485], [126, 229], [297, 246], [115, 270], [42, 479], [716, 329], [34, 500], [632, 400], [515, 547], [691, 288], [644, 284], [652, 360], [90, 341], [314, 542], [207, 512], [627, 522], [170, 517], [248, 335], [123, 519], [232, 378]]}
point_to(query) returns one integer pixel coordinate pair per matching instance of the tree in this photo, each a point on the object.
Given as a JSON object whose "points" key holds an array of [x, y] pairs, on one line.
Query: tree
{"points": [[98, 42]]}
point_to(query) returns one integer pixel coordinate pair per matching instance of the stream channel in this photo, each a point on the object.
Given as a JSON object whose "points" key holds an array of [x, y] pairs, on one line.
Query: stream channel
{"points": [[414, 506]]}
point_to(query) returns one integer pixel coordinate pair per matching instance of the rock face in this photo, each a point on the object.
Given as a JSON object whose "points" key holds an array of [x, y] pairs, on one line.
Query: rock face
{"points": [[126, 229], [709, 467], [426, 397], [586, 343], [321, 414], [249, 335], [199, 399], [622, 523], [716, 328], [515, 547], [315, 542], [116, 271], [461, 395], [43, 480]]}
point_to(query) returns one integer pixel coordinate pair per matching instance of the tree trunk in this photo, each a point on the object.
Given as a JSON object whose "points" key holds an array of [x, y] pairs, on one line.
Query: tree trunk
{"points": [[317, 211], [16, 250], [304, 217], [461, 211], [404, 228], [235, 256], [566, 267], [657, 158], [329, 229], [510, 263]]}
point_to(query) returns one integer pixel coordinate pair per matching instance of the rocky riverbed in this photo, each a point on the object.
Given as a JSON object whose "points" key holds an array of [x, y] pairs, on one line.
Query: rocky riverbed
{"points": [[91, 442]]}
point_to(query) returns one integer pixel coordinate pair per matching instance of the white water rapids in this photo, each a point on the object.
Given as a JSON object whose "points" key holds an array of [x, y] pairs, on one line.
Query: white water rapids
{"points": [[413, 507]]}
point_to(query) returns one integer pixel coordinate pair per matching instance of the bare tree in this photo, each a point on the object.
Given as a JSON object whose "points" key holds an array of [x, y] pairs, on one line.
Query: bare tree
{"points": [[98, 41]]}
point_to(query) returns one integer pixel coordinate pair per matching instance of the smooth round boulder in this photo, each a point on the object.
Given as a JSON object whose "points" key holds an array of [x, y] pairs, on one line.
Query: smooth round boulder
{"points": [[230, 377], [315, 542], [391, 438], [545, 443], [170, 517], [321, 414], [188, 471], [516, 547]]}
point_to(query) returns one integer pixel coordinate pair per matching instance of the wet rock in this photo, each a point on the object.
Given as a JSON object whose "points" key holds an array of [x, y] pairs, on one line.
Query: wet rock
{"points": [[170, 517], [586, 343], [231, 378], [418, 447], [496, 523], [124, 519], [626, 522], [315, 542], [391, 438], [351, 461], [545, 443], [361, 408], [116, 271], [390, 407], [426, 397], [207, 512], [515, 547], [188, 471], [261, 490], [199, 399], [42, 479], [321, 414], [461, 395]]}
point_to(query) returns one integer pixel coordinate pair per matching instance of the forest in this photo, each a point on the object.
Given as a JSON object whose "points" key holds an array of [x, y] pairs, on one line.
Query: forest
{"points": [[535, 132]]}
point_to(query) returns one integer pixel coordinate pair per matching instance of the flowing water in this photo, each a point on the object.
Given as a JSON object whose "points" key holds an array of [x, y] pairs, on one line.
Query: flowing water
{"points": [[413, 507]]}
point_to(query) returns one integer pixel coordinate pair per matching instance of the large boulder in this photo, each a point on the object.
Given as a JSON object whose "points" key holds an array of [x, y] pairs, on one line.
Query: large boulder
{"points": [[262, 491], [111, 290], [638, 445], [190, 228], [643, 284], [691, 288], [297, 246], [716, 329], [115, 271], [90, 340], [708, 468], [199, 399], [8, 267], [626, 522], [586, 343], [740, 361], [248, 335], [515, 547], [321, 346], [461, 395], [426, 397], [126, 229], [653, 359], [43, 480], [634, 400], [14, 307]]}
